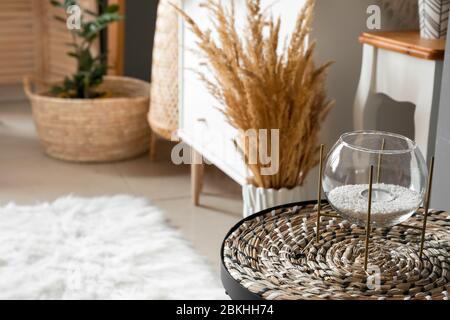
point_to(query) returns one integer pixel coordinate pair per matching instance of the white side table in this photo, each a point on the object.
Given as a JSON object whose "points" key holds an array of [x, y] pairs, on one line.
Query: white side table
{"points": [[406, 68]]}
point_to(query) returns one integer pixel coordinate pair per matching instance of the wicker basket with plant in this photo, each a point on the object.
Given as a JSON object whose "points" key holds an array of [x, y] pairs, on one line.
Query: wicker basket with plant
{"points": [[90, 117]]}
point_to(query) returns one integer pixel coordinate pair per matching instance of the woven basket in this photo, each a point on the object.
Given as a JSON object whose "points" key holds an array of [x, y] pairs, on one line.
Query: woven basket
{"points": [[163, 115], [93, 130]]}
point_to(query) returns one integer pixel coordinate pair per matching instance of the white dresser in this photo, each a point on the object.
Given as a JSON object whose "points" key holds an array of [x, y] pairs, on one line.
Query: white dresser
{"points": [[201, 124]]}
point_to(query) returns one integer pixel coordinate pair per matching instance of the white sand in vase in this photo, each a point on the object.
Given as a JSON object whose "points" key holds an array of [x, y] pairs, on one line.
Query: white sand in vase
{"points": [[391, 204]]}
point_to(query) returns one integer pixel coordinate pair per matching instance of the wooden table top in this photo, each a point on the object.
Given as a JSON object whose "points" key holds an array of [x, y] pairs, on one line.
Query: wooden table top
{"points": [[406, 42]]}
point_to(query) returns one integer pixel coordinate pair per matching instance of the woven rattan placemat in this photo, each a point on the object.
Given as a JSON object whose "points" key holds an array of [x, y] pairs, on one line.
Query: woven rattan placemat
{"points": [[275, 256]]}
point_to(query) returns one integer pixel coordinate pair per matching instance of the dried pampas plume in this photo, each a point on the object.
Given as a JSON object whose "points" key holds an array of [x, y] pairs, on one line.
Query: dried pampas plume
{"points": [[261, 88]]}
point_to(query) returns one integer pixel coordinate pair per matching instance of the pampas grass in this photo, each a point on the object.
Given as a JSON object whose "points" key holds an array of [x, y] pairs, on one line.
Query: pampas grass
{"points": [[263, 89]]}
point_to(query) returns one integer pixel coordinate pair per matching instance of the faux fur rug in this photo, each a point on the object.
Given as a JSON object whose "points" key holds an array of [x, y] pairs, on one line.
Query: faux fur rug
{"points": [[102, 248]]}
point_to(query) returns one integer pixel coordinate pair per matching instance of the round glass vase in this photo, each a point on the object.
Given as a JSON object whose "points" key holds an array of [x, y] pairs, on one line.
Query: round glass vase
{"points": [[399, 177]]}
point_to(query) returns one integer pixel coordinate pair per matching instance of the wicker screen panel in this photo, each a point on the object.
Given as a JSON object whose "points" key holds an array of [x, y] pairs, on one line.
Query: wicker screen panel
{"points": [[163, 115], [18, 54]]}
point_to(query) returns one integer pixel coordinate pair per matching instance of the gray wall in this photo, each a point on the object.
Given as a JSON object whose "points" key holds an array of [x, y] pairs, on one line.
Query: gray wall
{"points": [[337, 26], [441, 187], [139, 33]]}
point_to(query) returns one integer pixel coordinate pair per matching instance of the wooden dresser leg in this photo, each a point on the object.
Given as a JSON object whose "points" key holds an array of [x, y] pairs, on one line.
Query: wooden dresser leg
{"points": [[197, 169]]}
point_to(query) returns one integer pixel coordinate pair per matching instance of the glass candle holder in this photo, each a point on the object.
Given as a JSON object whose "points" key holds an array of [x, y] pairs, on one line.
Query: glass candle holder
{"points": [[399, 177]]}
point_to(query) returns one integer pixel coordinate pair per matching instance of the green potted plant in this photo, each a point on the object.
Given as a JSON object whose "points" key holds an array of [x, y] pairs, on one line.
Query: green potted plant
{"points": [[88, 116]]}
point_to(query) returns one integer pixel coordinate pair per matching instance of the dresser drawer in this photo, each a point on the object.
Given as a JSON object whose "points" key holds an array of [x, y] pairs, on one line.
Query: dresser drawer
{"points": [[207, 130]]}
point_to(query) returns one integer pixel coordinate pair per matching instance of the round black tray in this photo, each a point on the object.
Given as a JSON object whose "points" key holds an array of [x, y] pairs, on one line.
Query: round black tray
{"points": [[406, 276]]}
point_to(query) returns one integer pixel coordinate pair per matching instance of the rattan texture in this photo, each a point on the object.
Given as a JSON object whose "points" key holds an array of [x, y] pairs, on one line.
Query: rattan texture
{"points": [[163, 115], [94, 130], [276, 256]]}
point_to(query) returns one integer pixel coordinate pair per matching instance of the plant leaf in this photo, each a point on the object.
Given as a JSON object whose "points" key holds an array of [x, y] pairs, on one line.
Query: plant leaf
{"points": [[72, 54], [113, 8], [68, 3], [60, 19], [56, 3], [91, 70]]}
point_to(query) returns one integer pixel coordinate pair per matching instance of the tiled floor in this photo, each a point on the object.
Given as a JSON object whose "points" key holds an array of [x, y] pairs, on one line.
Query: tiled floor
{"points": [[28, 176]]}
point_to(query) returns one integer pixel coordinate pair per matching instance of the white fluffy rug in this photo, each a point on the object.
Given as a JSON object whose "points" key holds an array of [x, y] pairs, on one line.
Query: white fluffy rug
{"points": [[102, 248]]}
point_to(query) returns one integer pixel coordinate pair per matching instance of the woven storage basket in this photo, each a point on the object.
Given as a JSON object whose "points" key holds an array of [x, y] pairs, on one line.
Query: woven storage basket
{"points": [[163, 115], [274, 255], [94, 130]]}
